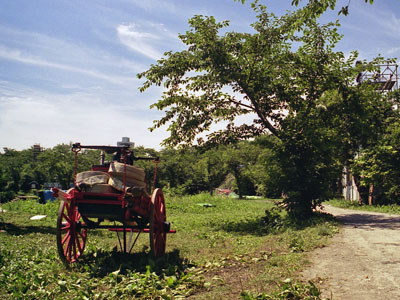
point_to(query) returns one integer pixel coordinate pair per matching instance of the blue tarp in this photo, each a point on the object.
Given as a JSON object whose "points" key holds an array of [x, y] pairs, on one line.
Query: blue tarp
{"points": [[48, 195]]}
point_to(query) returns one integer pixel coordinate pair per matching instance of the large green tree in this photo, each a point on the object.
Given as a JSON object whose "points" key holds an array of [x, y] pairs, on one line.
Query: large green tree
{"points": [[282, 69], [288, 77]]}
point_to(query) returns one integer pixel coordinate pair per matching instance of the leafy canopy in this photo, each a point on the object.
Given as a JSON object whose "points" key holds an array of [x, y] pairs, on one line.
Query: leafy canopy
{"points": [[281, 70], [320, 6], [289, 78]]}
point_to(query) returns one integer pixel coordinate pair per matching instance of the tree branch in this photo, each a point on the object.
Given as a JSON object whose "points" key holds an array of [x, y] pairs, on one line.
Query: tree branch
{"points": [[259, 113], [265, 121], [241, 104]]}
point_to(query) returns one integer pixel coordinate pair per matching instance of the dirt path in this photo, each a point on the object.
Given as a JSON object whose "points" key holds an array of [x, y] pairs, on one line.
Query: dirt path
{"points": [[362, 261]]}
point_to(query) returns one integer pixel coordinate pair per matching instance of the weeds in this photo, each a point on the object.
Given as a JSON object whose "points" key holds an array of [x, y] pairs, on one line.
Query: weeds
{"points": [[218, 252], [289, 290]]}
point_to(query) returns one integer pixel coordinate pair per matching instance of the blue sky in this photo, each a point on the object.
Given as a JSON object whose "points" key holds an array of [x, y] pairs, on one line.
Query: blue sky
{"points": [[68, 68]]}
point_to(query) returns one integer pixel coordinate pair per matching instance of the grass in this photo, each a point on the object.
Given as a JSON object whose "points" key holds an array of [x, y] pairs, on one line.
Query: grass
{"points": [[390, 209], [226, 250]]}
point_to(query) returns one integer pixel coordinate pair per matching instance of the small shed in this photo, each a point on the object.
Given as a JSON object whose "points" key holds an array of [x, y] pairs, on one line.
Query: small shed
{"points": [[34, 185], [350, 191]]}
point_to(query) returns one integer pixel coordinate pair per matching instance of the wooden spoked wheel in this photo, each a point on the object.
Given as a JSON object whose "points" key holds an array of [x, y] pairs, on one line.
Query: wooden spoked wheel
{"points": [[71, 233], [158, 236]]}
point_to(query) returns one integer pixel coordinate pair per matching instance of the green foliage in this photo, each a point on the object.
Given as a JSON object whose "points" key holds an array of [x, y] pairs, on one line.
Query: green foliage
{"points": [[277, 220], [30, 269], [226, 236], [191, 171], [31, 206], [289, 77], [378, 165], [318, 7], [290, 290], [19, 168], [30, 274], [274, 220], [390, 209], [10, 165], [251, 166], [188, 171]]}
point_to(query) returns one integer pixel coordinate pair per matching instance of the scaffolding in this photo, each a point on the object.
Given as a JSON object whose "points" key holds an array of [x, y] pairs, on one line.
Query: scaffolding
{"points": [[385, 78]]}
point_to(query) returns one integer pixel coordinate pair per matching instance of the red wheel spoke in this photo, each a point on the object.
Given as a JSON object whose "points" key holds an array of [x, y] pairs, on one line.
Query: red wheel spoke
{"points": [[77, 215], [66, 250], [66, 218], [65, 238], [78, 243], [83, 236], [69, 254], [70, 245], [74, 248], [65, 226]]}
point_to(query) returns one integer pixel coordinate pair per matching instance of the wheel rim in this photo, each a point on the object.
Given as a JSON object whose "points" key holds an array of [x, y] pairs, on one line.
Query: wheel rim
{"points": [[71, 236], [158, 236]]}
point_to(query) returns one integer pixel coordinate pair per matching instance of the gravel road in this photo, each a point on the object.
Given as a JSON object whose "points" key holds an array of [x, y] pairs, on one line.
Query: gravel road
{"points": [[362, 261]]}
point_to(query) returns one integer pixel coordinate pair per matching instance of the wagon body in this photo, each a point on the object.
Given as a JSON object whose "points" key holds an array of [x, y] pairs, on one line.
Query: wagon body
{"points": [[128, 212]]}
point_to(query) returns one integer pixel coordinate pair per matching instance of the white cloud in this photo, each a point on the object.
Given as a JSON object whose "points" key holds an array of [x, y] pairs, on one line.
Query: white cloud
{"points": [[50, 119], [45, 51], [19, 56], [84, 94], [138, 41], [150, 42]]}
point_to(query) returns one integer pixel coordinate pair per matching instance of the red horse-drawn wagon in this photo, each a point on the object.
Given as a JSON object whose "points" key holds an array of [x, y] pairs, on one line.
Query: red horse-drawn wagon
{"points": [[112, 196]]}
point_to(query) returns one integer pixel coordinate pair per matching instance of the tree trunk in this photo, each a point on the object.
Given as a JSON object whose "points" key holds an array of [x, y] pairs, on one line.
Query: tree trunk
{"points": [[370, 194], [363, 191], [236, 172]]}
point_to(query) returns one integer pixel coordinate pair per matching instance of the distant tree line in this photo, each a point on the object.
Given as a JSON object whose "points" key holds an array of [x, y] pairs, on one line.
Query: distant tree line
{"points": [[247, 168], [19, 169]]}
